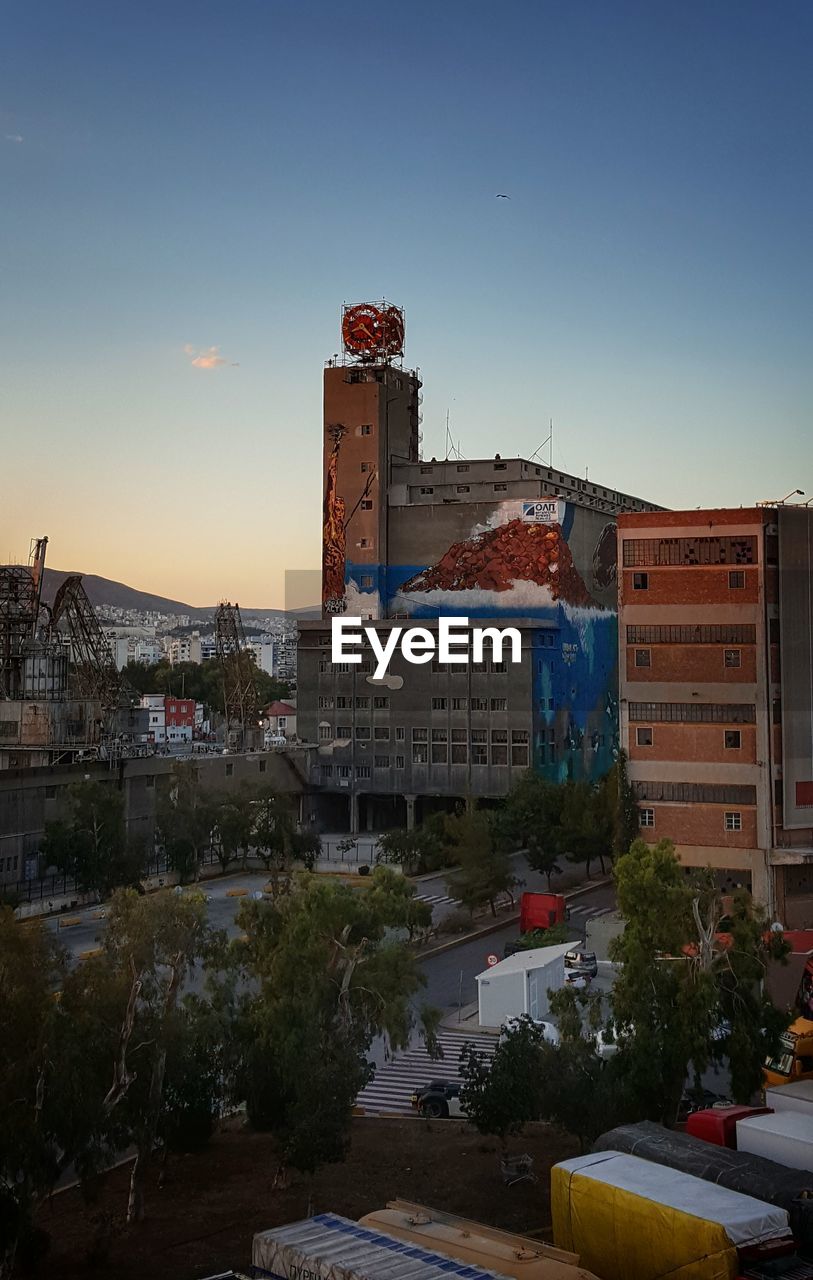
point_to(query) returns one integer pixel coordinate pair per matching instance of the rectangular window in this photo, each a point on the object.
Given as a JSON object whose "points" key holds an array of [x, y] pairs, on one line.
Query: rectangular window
{"points": [[440, 747], [150, 782], [501, 488], [460, 752], [708, 633], [643, 737], [365, 466], [363, 732], [479, 704], [499, 746], [732, 739], [689, 551], [463, 466], [463, 488], [343, 770], [499, 704], [479, 746], [381, 702], [647, 817], [426, 489], [229, 770], [399, 762], [426, 471], [732, 657], [459, 704], [640, 582], [420, 753], [500, 466], [363, 771], [341, 668], [733, 821], [366, 504], [363, 704], [643, 657], [327, 770], [420, 735], [325, 733], [694, 792], [736, 579], [326, 703], [344, 731], [520, 745], [366, 429], [381, 733], [498, 668], [365, 543], [693, 712], [381, 762], [343, 703], [50, 793], [400, 733], [439, 704], [262, 766], [367, 580]]}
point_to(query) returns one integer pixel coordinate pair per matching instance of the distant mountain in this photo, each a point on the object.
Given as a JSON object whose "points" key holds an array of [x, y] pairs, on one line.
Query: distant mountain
{"points": [[105, 591]]}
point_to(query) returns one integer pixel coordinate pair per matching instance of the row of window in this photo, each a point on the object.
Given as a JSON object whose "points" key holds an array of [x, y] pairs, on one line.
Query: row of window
{"points": [[427, 489], [736, 580], [732, 819], [718, 633], [732, 738], [693, 712], [342, 703], [428, 470], [497, 748], [695, 792], [731, 658], [689, 551]]}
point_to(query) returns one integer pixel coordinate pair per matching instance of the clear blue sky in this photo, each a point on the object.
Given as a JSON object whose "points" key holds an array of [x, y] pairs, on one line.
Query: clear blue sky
{"points": [[226, 175]]}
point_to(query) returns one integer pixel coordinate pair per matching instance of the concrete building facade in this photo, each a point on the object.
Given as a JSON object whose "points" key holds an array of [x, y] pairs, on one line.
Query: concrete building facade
{"points": [[708, 603]]}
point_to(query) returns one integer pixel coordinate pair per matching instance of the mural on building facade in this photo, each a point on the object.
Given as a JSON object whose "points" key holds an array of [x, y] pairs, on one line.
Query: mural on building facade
{"points": [[334, 547], [547, 561]]}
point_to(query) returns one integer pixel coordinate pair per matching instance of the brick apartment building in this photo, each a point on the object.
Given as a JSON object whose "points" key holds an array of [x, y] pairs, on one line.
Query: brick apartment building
{"points": [[716, 692]]}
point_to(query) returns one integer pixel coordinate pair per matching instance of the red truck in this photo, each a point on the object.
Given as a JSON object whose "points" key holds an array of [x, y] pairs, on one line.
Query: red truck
{"points": [[541, 911]]}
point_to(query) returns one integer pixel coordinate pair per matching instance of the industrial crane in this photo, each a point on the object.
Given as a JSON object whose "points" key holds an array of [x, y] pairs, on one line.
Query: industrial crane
{"points": [[240, 700]]}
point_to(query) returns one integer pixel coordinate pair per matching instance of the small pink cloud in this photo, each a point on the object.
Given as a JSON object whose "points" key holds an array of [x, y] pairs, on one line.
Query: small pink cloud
{"points": [[207, 358]]}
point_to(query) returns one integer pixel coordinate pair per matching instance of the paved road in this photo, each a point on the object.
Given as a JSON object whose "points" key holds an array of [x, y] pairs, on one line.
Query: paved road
{"points": [[446, 990]]}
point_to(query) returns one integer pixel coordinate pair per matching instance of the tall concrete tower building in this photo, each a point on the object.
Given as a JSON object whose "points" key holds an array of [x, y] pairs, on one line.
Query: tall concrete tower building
{"points": [[371, 421]]}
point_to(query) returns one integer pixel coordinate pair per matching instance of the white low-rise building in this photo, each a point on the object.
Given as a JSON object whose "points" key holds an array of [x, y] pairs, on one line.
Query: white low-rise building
{"points": [[520, 985]]}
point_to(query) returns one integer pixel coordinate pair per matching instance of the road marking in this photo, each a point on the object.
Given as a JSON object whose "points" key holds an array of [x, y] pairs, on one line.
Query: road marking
{"points": [[435, 900], [391, 1090], [68, 922], [236, 893]]}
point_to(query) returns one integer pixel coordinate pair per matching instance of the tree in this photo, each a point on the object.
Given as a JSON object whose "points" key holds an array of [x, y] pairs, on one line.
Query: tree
{"points": [[532, 820], [424, 848], [92, 844], [397, 898], [687, 993], [30, 967], [502, 1096], [587, 827], [277, 840], [185, 818], [625, 813], [233, 825], [324, 981], [155, 941], [484, 870]]}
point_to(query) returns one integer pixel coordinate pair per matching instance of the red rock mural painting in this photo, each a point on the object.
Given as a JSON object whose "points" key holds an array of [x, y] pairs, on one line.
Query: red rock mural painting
{"points": [[513, 552], [334, 552]]}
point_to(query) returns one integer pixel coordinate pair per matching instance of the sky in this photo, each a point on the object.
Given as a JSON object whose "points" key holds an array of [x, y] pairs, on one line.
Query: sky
{"points": [[190, 192]]}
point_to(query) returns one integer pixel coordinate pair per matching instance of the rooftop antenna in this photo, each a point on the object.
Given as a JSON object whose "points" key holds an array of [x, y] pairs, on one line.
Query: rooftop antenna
{"points": [[449, 441], [548, 440]]}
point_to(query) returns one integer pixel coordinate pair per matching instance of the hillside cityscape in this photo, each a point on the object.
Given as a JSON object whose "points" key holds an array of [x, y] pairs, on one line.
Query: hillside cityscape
{"points": [[456, 918]]}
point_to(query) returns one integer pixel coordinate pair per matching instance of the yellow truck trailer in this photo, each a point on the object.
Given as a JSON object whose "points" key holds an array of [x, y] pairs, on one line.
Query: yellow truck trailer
{"points": [[630, 1219]]}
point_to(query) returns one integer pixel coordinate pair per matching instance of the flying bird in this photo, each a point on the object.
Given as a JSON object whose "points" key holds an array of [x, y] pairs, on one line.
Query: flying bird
{"points": [[500, 196]]}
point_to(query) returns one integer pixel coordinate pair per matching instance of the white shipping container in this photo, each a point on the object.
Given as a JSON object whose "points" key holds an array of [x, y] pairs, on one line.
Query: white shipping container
{"points": [[785, 1136], [520, 984], [329, 1247], [791, 1097]]}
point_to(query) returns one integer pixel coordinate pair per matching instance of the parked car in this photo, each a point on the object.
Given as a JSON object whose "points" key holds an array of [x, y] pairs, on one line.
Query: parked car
{"points": [[440, 1103], [584, 962], [579, 981], [550, 1032]]}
